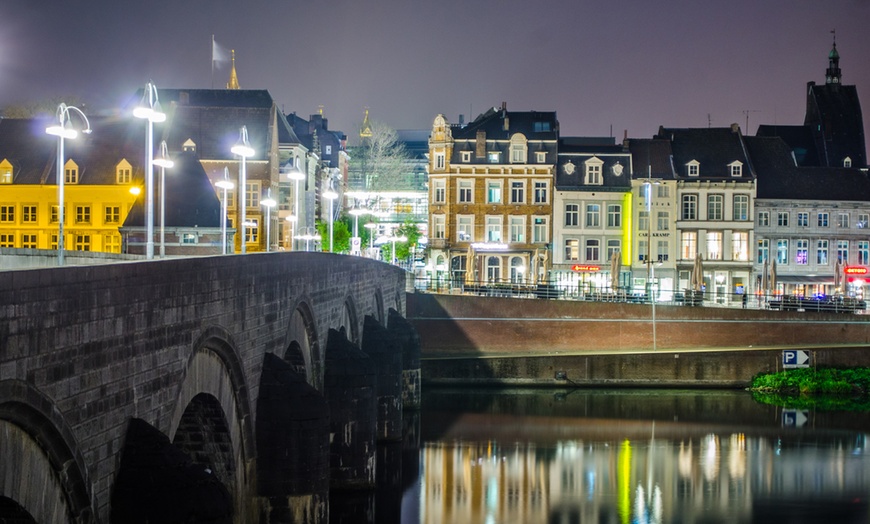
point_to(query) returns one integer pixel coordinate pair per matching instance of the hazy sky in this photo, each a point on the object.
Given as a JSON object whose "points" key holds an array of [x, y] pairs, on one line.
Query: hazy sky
{"points": [[621, 65]]}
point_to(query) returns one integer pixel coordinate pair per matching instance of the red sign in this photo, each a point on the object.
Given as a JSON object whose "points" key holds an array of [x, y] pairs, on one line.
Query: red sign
{"points": [[580, 267], [856, 270]]}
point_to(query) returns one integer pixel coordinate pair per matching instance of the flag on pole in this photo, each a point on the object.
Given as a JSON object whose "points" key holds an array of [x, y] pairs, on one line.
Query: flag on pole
{"points": [[219, 55]]}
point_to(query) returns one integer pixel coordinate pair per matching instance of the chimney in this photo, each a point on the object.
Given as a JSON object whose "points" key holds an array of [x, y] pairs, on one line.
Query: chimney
{"points": [[461, 120], [735, 128]]}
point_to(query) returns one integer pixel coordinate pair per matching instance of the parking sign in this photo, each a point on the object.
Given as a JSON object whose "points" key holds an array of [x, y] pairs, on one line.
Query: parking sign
{"points": [[795, 358]]}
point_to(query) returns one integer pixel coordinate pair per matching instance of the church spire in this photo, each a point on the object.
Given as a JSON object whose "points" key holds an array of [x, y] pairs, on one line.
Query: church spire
{"points": [[234, 78], [365, 130], [833, 74]]}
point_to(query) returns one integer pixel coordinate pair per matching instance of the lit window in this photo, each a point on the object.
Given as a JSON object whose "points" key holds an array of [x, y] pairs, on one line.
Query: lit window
{"points": [[689, 245], [736, 168], [822, 252], [83, 216], [28, 241], [518, 192], [493, 228], [493, 191], [763, 250], [740, 246], [714, 245], [863, 252], [782, 251], [439, 191], [28, 213], [572, 249], [693, 168], [189, 238], [123, 172], [800, 254], [863, 221], [494, 157], [593, 172], [5, 172]]}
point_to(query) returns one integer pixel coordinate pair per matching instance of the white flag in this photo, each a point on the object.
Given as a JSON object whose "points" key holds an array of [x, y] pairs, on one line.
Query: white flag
{"points": [[219, 55]]}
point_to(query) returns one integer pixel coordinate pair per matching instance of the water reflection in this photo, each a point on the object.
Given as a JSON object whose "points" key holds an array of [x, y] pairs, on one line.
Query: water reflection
{"points": [[633, 457]]}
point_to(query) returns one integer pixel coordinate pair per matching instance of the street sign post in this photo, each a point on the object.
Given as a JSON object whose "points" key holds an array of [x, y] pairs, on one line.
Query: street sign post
{"points": [[795, 358]]}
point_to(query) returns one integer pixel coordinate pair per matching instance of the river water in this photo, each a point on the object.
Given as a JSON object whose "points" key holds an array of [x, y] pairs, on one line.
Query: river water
{"points": [[622, 457]]}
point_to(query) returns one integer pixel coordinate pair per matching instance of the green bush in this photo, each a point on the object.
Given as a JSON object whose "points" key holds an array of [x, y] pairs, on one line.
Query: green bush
{"points": [[819, 388]]}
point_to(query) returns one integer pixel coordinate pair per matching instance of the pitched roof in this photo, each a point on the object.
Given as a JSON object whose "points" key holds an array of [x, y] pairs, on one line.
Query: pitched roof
{"points": [[535, 125], [652, 157], [713, 148], [799, 139], [578, 150]]}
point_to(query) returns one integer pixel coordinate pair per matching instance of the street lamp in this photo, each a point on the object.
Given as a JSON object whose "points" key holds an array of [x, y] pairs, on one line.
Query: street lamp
{"points": [[649, 183], [149, 109], [330, 195], [163, 162], [394, 238], [243, 149], [356, 212], [296, 176], [224, 184], [62, 129], [371, 226], [269, 202]]}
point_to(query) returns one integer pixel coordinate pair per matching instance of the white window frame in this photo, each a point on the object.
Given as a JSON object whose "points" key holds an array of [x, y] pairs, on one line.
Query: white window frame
{"points": [[490, 183], [541, 187], [465, 191], [540, 229], [693, 168], [521, 189], [439, 191], [593, 172], [736, 168], [465, 228], [494, 228], [439, 226], [517, 228]]}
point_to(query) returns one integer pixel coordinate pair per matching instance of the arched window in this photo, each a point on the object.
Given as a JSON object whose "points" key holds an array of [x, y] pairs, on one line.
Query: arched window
{"points": [[518, 270], [493, 269], [519, 149]]}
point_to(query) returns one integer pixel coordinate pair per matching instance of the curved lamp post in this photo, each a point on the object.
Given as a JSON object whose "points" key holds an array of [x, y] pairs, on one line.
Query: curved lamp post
{"points": [[62, 129], [269, 202], [149, 109], [330, 195], [225, 185], [163, 161], [243, 149], [296, 176]]}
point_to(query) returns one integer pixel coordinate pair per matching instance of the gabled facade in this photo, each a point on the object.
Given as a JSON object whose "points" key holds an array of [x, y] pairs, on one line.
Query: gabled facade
{"points": [[715, 195], [591, 215], [490, 196]]}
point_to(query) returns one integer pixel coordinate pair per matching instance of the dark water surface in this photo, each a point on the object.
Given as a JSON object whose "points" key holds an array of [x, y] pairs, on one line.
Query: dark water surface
{"points": [[618, 456]]}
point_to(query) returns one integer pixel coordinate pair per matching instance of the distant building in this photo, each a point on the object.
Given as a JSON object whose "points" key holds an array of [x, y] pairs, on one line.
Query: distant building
{"points": [[833, 130]]}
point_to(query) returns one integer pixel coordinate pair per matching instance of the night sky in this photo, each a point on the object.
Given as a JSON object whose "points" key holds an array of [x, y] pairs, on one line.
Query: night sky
{"points": [[604, 66]]}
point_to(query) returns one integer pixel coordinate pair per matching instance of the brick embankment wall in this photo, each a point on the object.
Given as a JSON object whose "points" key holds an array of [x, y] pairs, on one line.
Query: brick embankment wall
{"points": [[485, 340]]}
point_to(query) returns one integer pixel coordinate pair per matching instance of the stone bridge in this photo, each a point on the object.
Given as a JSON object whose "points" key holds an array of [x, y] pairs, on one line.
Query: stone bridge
{"points": [[196, 389]]}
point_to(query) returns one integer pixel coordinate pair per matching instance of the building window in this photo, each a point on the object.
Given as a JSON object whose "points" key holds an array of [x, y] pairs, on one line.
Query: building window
{"points": [[518, 192], [614, 215], [714, 245], [572, 214], [764, 218], [613, 246], [714, 206], [439, 191], [517, 228], [439, 227], [782, 251], [642, 247], [823, 220], [663, 191], [493, 191], [542, 126], [782, 219], [252, 231], [690, 207], [440, 160], [5, 172], [7, 240], [28, 241], [83, 215], [493, 228], [593, 250], [540, 157], [327, 149], [465, 228], [493, 269], [112, 243], [71, 173], [843, 251], [82, 242], [123, 172], [494, 157], [663, 221], [800, 255], [189, 238], [542, 192], [741, 207], [113, 214], [822, 252], [7, 213], [803, 220], [643, 221], [847, 162], [843, 220], [693, 168], [52, 241], [689, 245], [519, 149], [466, 156], [862, 222], [763, 250], [252, 196], [53, 215], [593, 215], [572, 249], [28, 214], [466, 191], [231, 198], [662, 251], [863, 252], [740, 246], [593, 172], [736, 168], [540, 230]]}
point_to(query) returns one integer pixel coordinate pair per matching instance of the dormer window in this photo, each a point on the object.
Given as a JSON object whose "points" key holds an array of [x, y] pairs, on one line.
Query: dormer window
{"points": [[540, 157], [519, 149], [493, 157], [5, 172], [188, 145], [693, 168], [71, 172], [123, 172], [466, 156], [847, 162], [736, 168], [593, 172]]}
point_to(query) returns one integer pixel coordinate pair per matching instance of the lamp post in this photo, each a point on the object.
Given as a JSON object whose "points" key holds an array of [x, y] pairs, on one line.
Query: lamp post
{"points": [[269, 202], [394, 238], [371, 226], [224, 184], [356, 212], [296, 176], [649, 183], [163, 161], [149, 109], [330, 195], [62, 129], [243, 149]]}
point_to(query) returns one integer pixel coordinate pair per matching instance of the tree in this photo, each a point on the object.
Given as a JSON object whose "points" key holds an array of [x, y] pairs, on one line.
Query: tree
{"points": [[341, 235], [403, 249], [380, 161]]}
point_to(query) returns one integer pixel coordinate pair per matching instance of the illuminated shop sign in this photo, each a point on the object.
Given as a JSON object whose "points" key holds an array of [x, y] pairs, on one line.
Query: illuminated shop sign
{"points": [[856, 270], [585, 268]]}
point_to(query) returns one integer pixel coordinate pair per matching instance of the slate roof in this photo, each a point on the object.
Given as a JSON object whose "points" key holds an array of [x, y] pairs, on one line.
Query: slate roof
{"points": [[578, 150], [837, 110], [799, 139], [33, 153], [652, 157], [714, 148], [779, 178], [492, 122], [190, 198]]}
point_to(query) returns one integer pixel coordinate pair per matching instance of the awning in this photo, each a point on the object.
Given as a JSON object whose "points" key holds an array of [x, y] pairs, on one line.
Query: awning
{"points": [[803, 279]]}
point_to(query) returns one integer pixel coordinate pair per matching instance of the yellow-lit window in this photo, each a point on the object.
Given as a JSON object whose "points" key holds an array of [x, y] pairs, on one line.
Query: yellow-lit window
{"points": [[28, 213], [83, 215], [112, 243], [7, 213], [71, 172], [7, 240], [28, 241], [113, 214], [123, 172], [82, 242], [55, 210], [5, 172]]}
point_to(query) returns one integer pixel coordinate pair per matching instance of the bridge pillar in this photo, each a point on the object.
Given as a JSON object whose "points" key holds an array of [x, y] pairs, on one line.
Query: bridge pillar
{"points": [[350, 386], [292, 446], [385, 350], [410, 342]]}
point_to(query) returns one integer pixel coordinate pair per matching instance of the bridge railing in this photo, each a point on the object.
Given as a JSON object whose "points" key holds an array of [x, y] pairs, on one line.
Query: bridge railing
{"points": [[557, 290]]}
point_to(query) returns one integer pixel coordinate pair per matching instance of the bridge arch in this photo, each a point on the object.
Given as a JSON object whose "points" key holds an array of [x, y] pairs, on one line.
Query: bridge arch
{"points": [[212, 420], [302, 347], [36, 438], [350, 320], [378, 313]]}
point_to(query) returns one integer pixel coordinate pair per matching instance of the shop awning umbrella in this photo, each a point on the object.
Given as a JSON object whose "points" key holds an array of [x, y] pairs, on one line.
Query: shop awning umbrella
{"points": [[773, 276], [698, 273], [615, 267], [838, 275], [470, 265], [764, 280]]}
